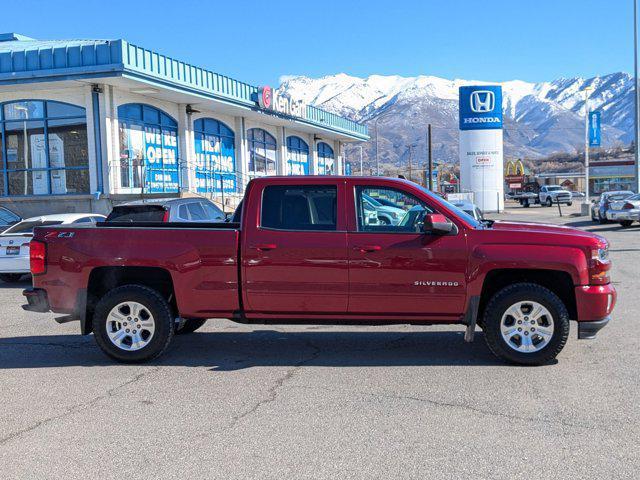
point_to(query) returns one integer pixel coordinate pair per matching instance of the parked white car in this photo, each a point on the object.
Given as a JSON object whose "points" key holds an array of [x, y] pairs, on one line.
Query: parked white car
{"points": [[626, 211], [14, 241]]}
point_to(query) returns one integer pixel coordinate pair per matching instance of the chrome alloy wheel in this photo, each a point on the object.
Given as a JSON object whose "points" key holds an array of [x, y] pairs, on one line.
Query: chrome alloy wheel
{"points": [[527, 326], [130, 326]]}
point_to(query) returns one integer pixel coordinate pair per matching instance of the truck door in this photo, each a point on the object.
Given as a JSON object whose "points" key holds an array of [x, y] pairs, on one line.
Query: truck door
{"points": [[396, 269], [294, 253]]}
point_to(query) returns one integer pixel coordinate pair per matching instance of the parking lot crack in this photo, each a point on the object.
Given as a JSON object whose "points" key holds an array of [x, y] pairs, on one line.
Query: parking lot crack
{"points": [[466, 407], [76, 408], [272, 392]]}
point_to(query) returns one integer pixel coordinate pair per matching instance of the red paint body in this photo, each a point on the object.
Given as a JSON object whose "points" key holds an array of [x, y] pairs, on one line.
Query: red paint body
{"points": [[327, 275]]}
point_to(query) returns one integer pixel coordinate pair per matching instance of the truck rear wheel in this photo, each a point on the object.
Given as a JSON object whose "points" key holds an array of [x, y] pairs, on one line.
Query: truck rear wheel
{"points": [[626, 223], [190, 325], [549, 202], [526, 324], [133, 323]]}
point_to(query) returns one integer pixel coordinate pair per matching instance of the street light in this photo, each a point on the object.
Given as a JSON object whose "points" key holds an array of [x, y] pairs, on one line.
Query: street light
{"points": [[375, 124], [636, 95], [585, 211]]}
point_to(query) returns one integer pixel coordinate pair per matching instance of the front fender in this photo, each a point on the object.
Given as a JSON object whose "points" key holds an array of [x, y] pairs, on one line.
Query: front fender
{"points": [[485, 258]]}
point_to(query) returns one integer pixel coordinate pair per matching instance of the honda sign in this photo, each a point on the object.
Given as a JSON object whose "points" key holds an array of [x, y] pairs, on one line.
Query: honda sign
{"points": [[480, 107]]}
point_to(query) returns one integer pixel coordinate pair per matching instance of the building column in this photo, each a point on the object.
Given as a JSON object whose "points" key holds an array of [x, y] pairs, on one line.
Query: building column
{"points": [[242, 154], [92, 154], [340, 164], [186, 150], [313, 155], [110, 142], [281, 165]]}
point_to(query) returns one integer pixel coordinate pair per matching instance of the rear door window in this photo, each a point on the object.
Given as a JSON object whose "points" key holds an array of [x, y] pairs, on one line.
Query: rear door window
{"points": [[307, 207]]}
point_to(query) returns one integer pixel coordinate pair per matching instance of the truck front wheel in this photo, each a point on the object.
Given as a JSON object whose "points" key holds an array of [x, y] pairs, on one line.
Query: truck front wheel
{"points": [[133, 324], [526, 324]]}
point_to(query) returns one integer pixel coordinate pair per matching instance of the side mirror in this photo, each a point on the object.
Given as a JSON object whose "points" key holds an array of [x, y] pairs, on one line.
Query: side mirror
{"points": [[437, 224]]}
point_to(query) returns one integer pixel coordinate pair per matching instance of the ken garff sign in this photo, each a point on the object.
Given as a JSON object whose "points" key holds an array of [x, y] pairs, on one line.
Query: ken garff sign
{"points": [[480, 107], [594, 129], [270, 99]]}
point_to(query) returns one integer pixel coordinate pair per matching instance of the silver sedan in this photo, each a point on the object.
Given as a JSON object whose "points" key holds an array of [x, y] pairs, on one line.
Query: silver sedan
{"points": [[626, 211]]}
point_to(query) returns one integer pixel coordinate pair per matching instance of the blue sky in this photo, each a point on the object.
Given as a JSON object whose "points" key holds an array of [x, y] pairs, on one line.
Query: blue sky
{"points": [[258, 41]]}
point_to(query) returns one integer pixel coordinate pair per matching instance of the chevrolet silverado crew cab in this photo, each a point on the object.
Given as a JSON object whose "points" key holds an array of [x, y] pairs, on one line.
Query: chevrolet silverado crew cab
{"points": [[304, 250]]}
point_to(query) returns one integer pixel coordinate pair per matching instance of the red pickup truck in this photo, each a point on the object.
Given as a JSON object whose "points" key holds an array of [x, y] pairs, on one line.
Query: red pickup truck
{"points": [[315, 250]]}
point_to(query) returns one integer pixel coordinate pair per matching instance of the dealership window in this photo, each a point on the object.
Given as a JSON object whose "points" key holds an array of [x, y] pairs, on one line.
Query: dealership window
{"points": [[215, 167], [148, 149], [326, 160], [262, 152], [43, 148], [297, 156]]}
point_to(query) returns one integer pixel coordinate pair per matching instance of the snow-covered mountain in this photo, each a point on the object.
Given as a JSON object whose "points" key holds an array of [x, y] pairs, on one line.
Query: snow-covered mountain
{"points": [[540, 118]]}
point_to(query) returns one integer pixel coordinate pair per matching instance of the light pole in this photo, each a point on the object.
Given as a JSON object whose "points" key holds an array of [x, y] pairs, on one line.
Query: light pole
{"points": [[586, 150], [361, 170], [375, 124], [636, 95]]}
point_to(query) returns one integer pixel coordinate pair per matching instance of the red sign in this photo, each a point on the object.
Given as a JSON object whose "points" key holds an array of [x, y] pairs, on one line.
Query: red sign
{"points": [[265, 96]]}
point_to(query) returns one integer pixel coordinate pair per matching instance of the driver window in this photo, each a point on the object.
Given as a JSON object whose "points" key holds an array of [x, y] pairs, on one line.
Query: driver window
{"points": [[383, 209]]}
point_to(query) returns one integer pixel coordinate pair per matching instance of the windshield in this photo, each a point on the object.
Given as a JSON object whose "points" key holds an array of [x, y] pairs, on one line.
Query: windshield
{"points": [[553, 189], [458, 211], [27, 226]]}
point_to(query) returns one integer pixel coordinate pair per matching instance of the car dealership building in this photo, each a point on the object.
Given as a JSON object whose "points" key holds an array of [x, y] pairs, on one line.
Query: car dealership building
{"points": [[85, 123]]}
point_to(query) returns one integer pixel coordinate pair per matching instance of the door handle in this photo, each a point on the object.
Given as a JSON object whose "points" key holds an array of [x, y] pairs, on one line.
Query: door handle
{"points": [[368, 248], [264, 247]]}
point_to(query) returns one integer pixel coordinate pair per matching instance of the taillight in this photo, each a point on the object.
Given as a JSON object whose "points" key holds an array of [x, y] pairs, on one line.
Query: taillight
{"points": [[165, 217], [37, 257], [627, 206], [599, 265]]}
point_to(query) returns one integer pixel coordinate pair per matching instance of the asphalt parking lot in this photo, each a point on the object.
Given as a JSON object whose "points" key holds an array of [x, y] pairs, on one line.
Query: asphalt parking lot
{"points": [[234, 401]]}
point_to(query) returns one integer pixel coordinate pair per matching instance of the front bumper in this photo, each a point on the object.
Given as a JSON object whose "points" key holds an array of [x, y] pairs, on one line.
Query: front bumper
{"points": [[37, 300], [632, 215], [588, 330]]}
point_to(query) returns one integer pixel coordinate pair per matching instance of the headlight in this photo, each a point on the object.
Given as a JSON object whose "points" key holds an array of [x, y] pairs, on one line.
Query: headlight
{"points": [[600, 254], [394, 215]]}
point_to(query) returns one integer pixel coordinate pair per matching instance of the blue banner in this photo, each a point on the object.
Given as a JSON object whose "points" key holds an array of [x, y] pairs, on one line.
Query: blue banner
{"points": [[594, 129], [480, 107], [215, 164]]}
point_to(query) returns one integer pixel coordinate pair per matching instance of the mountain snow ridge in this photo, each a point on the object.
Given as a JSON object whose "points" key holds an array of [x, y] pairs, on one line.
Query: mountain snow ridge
{"points": [[540, 118]]}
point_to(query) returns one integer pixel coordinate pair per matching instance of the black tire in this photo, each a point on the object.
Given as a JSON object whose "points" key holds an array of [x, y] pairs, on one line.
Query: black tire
{"points": [[11, 277], [569, 204], [190, 325], [510, 295], [626, 223], [549, 202], [601, 220], [384, 221], [154, 303], [526, 204]]}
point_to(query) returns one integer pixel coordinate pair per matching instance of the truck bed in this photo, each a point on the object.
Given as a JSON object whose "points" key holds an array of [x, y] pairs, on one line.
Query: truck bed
{"points": [[203, 266]]}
